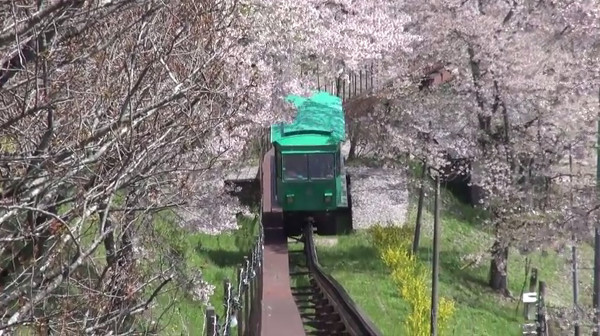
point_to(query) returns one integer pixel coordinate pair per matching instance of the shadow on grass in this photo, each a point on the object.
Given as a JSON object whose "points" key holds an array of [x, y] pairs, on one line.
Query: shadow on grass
{"points": [[358, 258], [223, 258], [229, 249], [468, 287], [450, 268]]}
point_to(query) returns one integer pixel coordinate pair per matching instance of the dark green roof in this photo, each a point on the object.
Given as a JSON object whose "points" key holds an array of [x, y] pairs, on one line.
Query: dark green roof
{"points": [[320, 115]]}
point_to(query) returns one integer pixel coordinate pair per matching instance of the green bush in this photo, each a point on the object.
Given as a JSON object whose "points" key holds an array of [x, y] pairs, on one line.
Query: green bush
{"points": [[393, 244], [384, 237]]}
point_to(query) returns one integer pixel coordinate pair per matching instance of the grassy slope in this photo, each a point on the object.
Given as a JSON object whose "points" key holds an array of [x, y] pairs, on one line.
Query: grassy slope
{"points": [[353, 261], [217, 257]]}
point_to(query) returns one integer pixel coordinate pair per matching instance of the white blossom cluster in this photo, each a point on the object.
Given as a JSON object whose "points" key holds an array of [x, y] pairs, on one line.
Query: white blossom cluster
{"points": [[211, 210], [201, 290]]}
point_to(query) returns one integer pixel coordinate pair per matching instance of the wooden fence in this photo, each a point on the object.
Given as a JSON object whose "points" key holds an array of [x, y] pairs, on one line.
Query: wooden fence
{"points": [[242, 298]]}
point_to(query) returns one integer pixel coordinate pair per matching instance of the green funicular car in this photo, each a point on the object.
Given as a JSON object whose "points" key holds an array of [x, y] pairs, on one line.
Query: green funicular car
{"points": [[311, 180]]}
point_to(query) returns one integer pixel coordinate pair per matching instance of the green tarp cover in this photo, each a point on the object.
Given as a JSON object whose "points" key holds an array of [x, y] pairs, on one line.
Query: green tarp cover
{"points": [[321, 112]]}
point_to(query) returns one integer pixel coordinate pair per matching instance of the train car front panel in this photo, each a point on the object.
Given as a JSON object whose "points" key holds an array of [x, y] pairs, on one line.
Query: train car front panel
{"points": [[307, 179]]}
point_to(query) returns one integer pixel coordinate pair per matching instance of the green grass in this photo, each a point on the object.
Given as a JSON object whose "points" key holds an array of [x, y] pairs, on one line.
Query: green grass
{"points": [[215, 257], [553, 266], [354, 262], [480, 311]]}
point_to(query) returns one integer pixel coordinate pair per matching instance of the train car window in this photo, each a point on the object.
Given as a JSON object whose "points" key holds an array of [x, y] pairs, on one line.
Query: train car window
{"points": [[295, 167], [321, 166]]}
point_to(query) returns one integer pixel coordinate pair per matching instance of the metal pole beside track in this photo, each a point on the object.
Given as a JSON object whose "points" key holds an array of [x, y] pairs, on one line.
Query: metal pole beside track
{"points": [[596, 299], [436, 256], [574, 254]]}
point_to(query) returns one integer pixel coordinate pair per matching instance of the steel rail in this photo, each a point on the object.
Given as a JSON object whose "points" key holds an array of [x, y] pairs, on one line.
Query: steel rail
{"points": [[354, 319]]}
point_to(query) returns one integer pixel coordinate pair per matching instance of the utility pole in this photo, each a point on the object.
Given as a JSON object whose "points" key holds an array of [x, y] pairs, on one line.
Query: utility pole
{"points": [[596, 302], [417, 235], [596, 299], [574, 252], [436, 257], [575, 286]]}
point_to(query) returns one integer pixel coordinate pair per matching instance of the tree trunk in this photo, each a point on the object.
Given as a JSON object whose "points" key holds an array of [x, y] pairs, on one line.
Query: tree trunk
{"points": [[34, 248], [498, 268], [354, 137]]}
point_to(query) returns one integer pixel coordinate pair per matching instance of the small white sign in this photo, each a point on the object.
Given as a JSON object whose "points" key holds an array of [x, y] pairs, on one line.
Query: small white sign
{"points": [[530, 297]]}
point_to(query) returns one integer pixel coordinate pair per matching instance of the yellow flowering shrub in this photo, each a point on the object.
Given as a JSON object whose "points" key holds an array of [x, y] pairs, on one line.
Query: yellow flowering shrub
{"points": [[8, 145], [391, 236], [410, 276]]}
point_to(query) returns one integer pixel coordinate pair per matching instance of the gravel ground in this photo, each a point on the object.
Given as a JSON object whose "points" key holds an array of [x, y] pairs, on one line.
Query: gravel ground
{"points": [[378, 196]]}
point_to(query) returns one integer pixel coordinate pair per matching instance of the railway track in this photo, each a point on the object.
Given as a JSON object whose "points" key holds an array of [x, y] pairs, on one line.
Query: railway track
{"points": [[325, 307], [320, 306]]}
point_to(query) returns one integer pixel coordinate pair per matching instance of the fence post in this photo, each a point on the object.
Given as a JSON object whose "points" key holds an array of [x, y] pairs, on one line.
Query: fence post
{"points": [[541, 314], [372, 74], [366, 79], [360, 84], [240, 310], [247, 300], [333, 88], [349, 85], [256, 289], [251, 283], [211, 321], [227, 302], [318, 78], [532, 282]]}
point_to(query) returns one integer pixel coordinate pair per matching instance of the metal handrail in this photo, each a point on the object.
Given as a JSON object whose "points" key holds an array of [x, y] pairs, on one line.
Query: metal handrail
{"points": [[353, 317]]}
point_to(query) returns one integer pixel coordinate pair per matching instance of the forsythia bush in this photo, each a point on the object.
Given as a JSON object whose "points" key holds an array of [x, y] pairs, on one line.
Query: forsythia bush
{"points": [[409, 274], [391, 236]]}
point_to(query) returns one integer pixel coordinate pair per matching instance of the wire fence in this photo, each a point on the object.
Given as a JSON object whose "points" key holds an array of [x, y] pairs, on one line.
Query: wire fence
{"points": [[348, 84], [242, 298]]}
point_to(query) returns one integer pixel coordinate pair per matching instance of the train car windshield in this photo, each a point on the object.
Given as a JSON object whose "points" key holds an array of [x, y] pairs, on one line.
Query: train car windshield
{"points": [[295, 167], [321, 166]]}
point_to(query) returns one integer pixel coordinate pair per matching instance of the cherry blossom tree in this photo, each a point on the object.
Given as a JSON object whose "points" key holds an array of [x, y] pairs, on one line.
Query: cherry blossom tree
{"points": [[111, 111], [523, 94], [518, 95], [290, 42]]}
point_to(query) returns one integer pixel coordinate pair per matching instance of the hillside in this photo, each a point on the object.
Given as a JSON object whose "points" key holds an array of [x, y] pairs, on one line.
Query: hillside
{"points": [[120, 118], [354, 261]]}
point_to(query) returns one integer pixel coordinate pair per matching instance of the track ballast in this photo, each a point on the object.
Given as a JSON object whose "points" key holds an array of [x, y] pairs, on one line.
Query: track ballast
{"points": [[325, 307]]}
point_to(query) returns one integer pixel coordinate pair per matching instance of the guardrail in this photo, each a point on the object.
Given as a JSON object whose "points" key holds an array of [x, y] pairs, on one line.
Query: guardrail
{"points": [[355, 320]]}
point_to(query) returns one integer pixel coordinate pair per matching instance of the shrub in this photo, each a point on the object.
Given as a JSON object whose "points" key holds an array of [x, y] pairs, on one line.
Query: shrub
{"points": [[393, 244], [391, 236]]}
